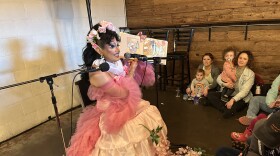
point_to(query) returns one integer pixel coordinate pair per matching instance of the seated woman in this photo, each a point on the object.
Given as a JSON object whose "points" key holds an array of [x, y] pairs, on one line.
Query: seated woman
{"points": [[242, 94], [118, 124], [211, 73], [266, 104]]}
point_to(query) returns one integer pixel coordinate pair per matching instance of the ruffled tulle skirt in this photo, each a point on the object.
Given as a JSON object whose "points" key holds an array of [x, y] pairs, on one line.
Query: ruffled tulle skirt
{"points": [[133, 139]]}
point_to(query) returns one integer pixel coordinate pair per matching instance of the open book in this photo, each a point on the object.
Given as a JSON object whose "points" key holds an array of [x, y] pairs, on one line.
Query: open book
{"points": [[150, 47]]}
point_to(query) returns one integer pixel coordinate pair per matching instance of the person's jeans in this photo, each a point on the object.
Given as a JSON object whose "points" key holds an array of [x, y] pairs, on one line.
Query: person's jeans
{"points": [[256, 104], [227, 151]]}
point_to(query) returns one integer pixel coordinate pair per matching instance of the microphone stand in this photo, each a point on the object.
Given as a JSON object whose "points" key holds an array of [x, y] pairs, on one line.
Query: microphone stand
{"points": [[88, 3], [50, 82], [156, 61]]}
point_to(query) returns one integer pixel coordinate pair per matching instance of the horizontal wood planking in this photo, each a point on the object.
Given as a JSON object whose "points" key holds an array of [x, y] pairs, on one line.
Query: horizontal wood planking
{"points": [[264, 45], [199, 11], [227, 15], [263, 41]]}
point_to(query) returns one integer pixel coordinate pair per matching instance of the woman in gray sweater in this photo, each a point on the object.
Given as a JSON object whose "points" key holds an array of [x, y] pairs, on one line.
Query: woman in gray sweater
{"points": [[211, 72]]}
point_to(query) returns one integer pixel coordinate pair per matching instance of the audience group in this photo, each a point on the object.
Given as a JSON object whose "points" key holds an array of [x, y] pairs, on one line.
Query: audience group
{"points": [[229, 91]]}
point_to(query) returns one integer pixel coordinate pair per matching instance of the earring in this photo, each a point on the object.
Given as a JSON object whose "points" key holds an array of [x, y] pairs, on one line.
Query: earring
{"points": [[101, 57]]}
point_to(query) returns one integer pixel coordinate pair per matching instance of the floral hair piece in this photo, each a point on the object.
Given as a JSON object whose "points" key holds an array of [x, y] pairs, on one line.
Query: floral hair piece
{"points": [[93, 34]]}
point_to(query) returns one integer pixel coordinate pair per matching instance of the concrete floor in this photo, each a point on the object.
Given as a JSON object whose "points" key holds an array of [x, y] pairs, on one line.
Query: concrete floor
{"points": [[194, 125]]}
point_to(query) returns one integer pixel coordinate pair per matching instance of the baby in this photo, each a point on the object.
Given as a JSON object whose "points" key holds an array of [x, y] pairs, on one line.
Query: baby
{"points": [[199, 85], [229, 73]]}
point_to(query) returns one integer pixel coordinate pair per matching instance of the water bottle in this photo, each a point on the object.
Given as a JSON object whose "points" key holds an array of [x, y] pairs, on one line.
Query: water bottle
{"points": [[185, 97], [258, 90], [178, 92]]}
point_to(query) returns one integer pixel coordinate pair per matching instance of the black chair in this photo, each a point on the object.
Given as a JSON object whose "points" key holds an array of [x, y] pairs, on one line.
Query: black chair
{"points": [[83, 86], [182, 38]]}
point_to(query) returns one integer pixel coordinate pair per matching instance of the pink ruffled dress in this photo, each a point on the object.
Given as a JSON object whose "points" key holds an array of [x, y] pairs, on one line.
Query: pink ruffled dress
{"points": [[114, 127]]}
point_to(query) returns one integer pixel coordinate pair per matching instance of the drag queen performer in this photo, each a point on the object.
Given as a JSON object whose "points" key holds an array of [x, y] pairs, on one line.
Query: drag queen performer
{"points": [[119, 123]]}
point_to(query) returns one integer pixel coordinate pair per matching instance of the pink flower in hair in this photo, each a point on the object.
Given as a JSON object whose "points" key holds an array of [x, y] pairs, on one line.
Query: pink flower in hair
{"points": [[104, 25], [93, 34], [110, 26], [102, 29]]}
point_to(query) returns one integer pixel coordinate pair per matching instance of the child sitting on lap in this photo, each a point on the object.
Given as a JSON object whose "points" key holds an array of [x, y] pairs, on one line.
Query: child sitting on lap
{"points": [[229, 73]]}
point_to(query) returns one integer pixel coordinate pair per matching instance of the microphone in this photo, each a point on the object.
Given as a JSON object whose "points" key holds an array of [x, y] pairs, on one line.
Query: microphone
{"points": [[139, 57], [102, 67]]}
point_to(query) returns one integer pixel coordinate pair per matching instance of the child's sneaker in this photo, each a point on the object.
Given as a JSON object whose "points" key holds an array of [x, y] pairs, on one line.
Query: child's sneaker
{"points": [[185, 97], [241, 137], [190, 98]]}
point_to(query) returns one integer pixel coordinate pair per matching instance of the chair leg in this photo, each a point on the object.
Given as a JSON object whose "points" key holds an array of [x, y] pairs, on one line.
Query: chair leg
{"points": [[165, 78], [173, 72], [160, 77], [183, 73]]}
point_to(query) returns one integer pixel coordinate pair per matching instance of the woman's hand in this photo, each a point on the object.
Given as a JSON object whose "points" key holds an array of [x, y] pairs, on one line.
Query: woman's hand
{"points": [[188, 91], [274, 104], [277, 104], [205, 92], [228, 85], [230, 103], [193, 94]]}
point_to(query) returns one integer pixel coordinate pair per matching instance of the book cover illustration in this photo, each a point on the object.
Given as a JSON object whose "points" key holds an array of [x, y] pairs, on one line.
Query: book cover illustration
{"points": [[129, 44], [155, 48], [150, 47]]}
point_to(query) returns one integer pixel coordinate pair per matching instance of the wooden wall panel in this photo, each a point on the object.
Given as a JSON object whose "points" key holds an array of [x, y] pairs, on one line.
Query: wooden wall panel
{"points": [[263, 41], [200, 11]]}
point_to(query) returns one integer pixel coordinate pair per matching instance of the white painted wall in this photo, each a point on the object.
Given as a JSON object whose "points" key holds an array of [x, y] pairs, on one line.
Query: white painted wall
{"points": [[38, 38]]}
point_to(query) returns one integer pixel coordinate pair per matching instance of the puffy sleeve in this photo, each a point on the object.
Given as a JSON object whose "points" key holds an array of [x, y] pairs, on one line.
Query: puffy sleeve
{"points": [[144, 74], [120, 89], [124, 95]]}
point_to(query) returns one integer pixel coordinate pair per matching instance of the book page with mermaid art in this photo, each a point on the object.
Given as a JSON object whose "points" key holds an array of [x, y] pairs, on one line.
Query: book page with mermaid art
{"points": [[155, 48], [130, 44], [150, 47]]}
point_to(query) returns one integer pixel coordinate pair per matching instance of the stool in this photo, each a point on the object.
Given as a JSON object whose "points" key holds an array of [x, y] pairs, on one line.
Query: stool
{"points": [[182, 42], [83, 86]]}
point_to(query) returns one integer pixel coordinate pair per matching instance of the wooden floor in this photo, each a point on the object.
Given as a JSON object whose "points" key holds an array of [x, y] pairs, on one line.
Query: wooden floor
{"points": [[193, 125]]}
